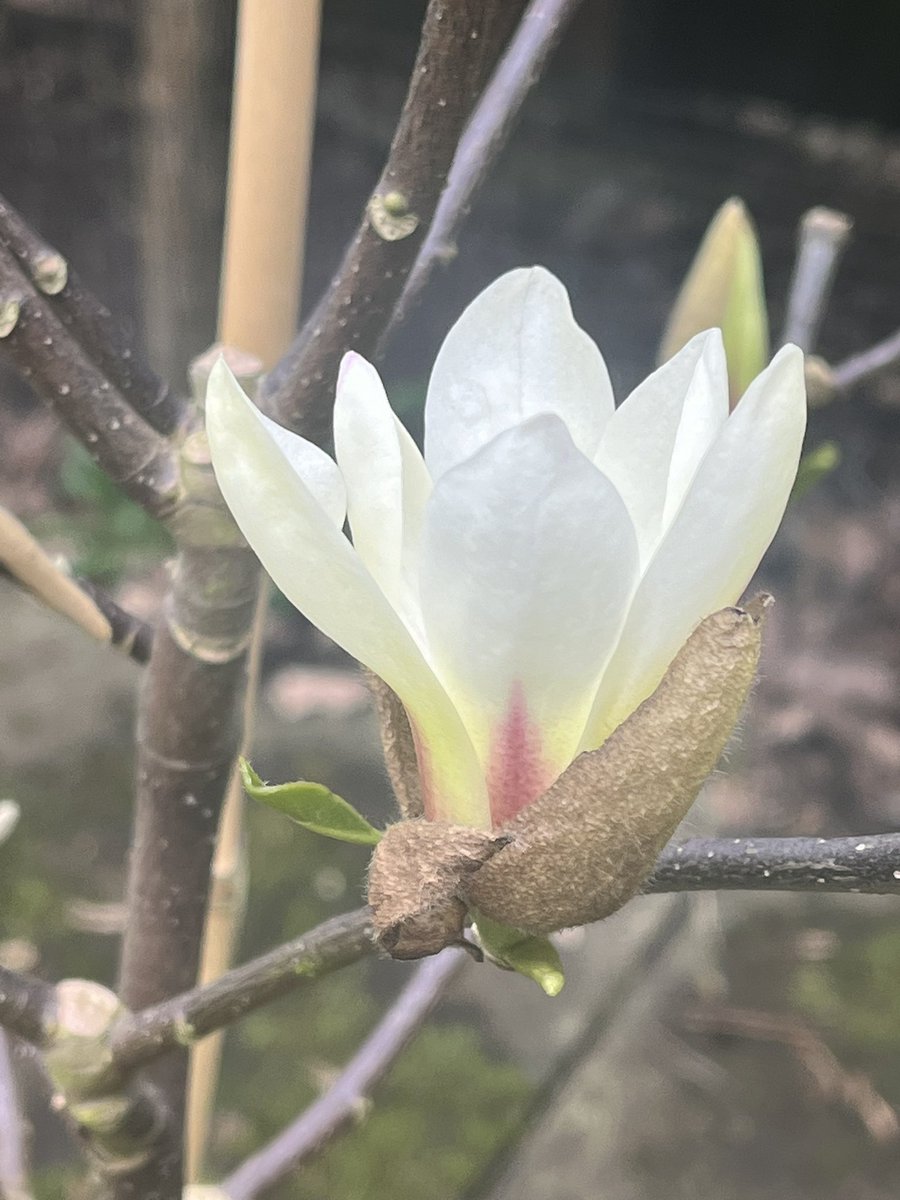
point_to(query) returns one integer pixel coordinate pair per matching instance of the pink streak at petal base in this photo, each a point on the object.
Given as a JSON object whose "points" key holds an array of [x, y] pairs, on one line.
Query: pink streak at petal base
{"points": [[516, 773]]}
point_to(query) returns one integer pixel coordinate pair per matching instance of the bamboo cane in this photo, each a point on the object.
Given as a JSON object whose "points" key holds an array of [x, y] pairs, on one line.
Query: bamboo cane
{"points": [[268, 182]]}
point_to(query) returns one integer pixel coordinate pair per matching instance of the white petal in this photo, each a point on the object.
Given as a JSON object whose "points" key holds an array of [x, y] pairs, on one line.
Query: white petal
{"points": [[318, 472], [387, 482], [514, 353], [529, 561], [318, 570], [716, 540], [652, 446], [705, 412]]}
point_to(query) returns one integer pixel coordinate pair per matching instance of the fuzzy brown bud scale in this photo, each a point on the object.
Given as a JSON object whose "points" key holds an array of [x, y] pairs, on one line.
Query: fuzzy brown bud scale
{"points": [[581, 850]]}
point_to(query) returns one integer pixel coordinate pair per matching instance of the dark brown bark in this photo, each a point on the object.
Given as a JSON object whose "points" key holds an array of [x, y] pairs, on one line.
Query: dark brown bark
{"points": [[90, 323], [460, 44], [133, 455], [146, 1035], [189, 733]]}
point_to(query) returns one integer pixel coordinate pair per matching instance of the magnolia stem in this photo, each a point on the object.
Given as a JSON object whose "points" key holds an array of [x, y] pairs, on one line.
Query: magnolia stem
{"points": [[868, 863], [345, 1099], [133, 454], [822, 237], [869, 362], [522, 64], [129, 633], [90, 323], [25, 563], [186, 1018], [460, 44]]}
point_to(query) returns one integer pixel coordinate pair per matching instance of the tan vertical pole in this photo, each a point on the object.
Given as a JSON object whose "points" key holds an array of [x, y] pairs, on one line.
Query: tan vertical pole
{"points": [[271, 141], [276, 60]]}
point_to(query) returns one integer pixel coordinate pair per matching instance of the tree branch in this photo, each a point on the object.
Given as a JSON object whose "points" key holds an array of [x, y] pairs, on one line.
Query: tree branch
{"points": [[90, 323], [189, 729], [460, 45], [128, 633], [521, 66], [133, 455], [184, 1019], [869, 863], [862, 366], [341, 1104], [25, 563], [188, 736], [822, 238]]}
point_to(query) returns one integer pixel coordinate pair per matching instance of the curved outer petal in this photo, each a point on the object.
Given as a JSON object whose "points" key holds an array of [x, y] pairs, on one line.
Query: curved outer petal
{"points": [[529, 561], [515, 352], [318, 472], [716, 540], [654, 443], [387, 483], [318, 570]]}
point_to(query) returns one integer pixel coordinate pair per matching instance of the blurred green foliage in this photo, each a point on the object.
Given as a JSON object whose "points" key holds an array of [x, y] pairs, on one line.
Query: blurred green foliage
{"points": [[108, 534], [855, 992]]}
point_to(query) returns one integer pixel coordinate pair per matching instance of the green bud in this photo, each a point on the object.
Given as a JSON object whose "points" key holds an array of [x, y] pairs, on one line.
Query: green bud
{"points": [[724, 289]]}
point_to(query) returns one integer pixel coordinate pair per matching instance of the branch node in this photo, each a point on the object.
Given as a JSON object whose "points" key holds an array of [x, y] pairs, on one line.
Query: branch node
{"points": [[10, 311], [50, 272], [390, 216]]}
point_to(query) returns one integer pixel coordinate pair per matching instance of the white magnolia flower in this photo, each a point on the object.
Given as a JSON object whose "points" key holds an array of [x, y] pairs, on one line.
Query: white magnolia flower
{"points": [[524, 586]]}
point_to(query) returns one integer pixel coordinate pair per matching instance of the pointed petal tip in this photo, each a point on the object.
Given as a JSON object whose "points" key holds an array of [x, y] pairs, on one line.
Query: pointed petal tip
{"points": [[734, 209], [221, 376], [356, 370]]}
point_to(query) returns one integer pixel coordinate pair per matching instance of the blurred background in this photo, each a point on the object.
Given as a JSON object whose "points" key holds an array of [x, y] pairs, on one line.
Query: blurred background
{"points": [[742, 1048]]}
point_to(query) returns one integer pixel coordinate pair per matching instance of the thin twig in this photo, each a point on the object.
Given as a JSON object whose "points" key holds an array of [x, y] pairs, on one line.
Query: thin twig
{"points": [[521, 66], [91, 324], [26, 1006], [834, 1081], [13, 1156], [129, 633], [24, 561], [869, 863], [133, 454], [185, 1018], [865, 864], [460, 44], [860, 367], [345, 1099], [822, 237]]}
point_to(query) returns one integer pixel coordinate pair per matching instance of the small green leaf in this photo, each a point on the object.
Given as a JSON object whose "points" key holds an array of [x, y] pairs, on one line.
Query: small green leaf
{"points": [[533, 956], [313, 806], [814, 466]]}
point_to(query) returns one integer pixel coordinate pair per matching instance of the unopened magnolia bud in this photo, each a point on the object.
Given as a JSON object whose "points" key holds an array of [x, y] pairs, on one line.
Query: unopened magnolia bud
{"points": [[580, 851], [415, 882], [724, 289], [584, 848]]}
